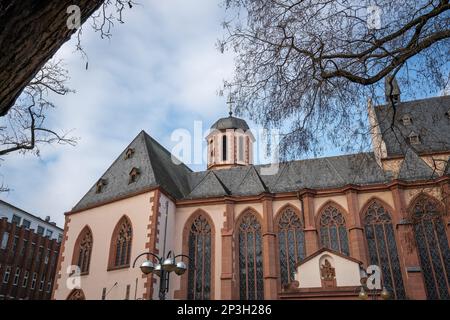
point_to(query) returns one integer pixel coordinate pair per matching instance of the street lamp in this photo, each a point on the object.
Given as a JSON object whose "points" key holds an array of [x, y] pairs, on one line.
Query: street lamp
{"points": [[162, 269]]}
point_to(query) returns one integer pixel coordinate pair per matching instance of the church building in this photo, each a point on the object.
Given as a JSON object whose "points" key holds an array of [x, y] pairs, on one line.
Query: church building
{"points": [[305, 231]]}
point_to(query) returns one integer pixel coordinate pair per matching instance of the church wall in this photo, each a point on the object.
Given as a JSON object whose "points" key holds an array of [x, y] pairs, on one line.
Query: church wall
{"points": [[216, 214], [239, 208], [277, 205], [166, 206], [386, 196], [411, 194], [437, 162], [319, 202], [102, 221], [392, 165]]}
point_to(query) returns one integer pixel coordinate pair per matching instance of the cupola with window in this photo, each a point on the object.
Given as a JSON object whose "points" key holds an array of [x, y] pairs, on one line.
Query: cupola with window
{"points": [[230, 143]]}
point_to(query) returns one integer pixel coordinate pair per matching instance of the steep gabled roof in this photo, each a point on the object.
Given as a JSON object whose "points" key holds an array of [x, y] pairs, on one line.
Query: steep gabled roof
{"points": [[251, 183], [156, 168], [429, 120], [414, 168], [209, 186]]}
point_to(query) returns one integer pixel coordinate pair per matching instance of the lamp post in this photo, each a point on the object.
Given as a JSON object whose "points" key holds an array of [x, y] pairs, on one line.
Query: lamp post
{"points": [[365, 292], [162, 269]]}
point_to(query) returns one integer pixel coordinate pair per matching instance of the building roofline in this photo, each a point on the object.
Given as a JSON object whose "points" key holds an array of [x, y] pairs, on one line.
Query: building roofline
{"points": [[31, 215]]}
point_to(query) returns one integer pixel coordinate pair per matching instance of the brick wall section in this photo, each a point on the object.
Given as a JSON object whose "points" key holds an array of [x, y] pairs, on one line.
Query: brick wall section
{"points": [[269, 251], [409, 258], [227, 278], [311, 237], [152, 228], [43, 265], [355, 231], [61, 256]]}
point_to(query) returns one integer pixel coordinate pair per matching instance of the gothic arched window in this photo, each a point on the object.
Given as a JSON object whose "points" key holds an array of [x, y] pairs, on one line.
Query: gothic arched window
{"points": [[383, 248], [82, 250], [291, 243], [251, 283], [333, 233], [432, 246], [122, 238], [199, 276]]}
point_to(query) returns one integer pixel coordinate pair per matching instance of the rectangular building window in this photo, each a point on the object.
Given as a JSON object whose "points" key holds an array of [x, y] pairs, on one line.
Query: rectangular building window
{"points": [[24, 247], [40, 230], [26, 224], [49, 286], [16, 219], [15, 244], [47, 256], [6, 275], [25, 279], [33, 281], [49, 233], [40, 254], [33, 249], [41, 283], [53, 259], [60, 236], [16, 277], [104, 294], [5, 239]]}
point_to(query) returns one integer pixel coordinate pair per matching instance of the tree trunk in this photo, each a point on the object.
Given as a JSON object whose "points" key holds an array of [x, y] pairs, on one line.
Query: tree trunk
{"points": [[31, 31]]}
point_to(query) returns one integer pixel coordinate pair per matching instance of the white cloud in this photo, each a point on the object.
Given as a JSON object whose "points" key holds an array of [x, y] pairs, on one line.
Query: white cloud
{"points": [[159, 71]]}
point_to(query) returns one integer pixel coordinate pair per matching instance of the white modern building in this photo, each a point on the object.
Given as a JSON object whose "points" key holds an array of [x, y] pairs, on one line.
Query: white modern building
{"points": [[43, 227]]}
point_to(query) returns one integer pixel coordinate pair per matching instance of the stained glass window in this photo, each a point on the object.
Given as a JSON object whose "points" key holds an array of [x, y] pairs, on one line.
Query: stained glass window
{"points": [[83, 250], [432, 246], [333, 232], [122, 242], [199, 277], [251, 283], [291, 244], [383, 248]]}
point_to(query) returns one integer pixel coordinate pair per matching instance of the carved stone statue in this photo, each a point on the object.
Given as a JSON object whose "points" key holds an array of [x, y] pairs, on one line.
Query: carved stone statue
{"points": [[327, 272]]}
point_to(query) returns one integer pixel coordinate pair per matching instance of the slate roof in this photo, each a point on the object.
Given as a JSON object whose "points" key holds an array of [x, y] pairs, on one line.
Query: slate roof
{"points": [[414, 168], [158, 170], [230, 123], [429, 120]]}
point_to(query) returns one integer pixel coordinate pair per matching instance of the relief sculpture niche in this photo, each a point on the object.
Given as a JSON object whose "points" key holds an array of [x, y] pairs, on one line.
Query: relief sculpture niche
{"points": [[327, 274]]}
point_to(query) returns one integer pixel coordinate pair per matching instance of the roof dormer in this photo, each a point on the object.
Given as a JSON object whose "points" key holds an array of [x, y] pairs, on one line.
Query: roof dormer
{"points": [[99, 187], [406, 120], [134, 174], [414, 138], [129, 153]]}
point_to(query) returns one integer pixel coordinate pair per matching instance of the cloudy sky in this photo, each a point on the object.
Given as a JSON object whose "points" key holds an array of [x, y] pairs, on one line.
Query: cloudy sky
{"points": [[159, 72]]}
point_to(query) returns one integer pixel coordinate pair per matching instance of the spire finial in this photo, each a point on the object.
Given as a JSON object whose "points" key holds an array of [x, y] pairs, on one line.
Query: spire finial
{"points": [[230, 105]]}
